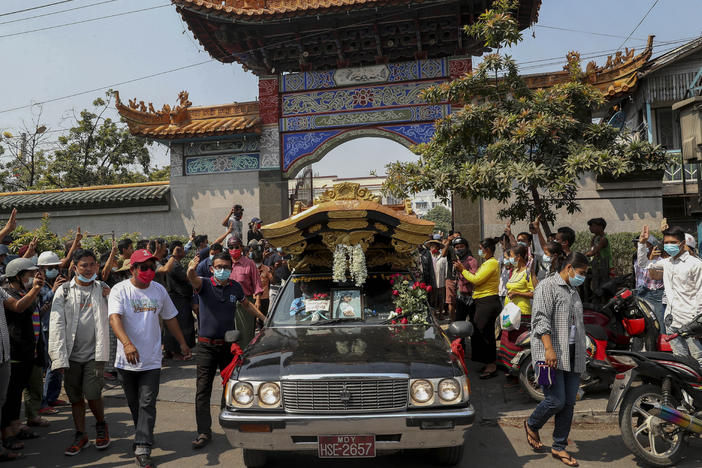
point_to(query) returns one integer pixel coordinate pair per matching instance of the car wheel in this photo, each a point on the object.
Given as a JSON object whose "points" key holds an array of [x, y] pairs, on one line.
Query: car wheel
{"points": [[254, 458], [448, 456]]}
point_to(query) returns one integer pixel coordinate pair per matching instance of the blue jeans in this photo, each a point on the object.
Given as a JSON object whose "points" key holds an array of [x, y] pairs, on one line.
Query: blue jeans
{"points": [[689, 346], [53, 379], [655, 297], [559, 402]]}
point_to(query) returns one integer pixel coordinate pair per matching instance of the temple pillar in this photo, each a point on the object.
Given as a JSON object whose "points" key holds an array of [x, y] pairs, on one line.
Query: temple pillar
{"points": [[273, 188]]}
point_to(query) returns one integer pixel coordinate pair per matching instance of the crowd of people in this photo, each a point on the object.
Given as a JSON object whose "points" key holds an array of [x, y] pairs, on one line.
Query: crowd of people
{"points": [[75, 318], [542, 276]]}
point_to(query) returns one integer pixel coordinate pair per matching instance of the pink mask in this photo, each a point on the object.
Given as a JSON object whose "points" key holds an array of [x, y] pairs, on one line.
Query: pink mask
{"points": [[146, 277]]}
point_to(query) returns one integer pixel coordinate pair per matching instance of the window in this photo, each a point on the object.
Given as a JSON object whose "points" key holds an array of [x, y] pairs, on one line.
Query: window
{"points": [[667, 129], [421, 205]]}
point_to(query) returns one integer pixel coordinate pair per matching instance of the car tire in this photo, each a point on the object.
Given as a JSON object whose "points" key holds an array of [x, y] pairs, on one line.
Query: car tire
{"points": [[255, 458], [448, 456]]}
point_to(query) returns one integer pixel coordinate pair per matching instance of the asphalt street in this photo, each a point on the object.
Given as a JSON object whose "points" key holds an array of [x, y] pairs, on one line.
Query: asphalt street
{"points": [[489, 444]]}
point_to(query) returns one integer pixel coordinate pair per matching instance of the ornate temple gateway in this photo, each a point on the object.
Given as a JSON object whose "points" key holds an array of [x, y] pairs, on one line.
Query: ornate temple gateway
{"points": [[329, 71]]}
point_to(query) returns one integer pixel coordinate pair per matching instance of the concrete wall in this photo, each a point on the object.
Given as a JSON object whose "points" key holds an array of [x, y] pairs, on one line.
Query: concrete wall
{"points": [[626, 206]]}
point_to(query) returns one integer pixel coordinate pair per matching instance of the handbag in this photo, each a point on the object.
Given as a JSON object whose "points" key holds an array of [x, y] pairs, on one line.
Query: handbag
{"points": [[544, 374], [511, 317]]}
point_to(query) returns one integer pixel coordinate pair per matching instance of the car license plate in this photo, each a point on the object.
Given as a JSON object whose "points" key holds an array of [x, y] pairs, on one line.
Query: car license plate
{"points": [[346, 446]]}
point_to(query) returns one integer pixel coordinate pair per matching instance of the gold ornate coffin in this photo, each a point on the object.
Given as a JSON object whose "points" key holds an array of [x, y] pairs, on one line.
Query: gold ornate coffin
{"points": [[348, 214]]}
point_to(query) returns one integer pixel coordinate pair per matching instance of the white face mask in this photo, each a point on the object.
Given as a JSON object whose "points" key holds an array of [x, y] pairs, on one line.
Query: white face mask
{"points": [[28, 284]]}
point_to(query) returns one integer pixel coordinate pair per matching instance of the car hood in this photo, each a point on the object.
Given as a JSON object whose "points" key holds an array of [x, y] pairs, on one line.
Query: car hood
{"points": [[419, 351]]}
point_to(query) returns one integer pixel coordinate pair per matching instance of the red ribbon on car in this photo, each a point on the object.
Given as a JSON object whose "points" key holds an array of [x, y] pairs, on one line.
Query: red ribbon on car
{"points": [[458, 351], [227, 371]]}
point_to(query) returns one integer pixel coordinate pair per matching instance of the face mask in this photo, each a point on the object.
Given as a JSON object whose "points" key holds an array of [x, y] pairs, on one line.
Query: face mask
{"points": [[576, 280], [86, 279], [28, 284], [545, 258], [481, 254], [434, 251], [250, 254], [222, 274], [51, 274], [522, 243], [280, 250], [513, 261], [671, 249], [146, 277], [211, 257], [236, 254]]}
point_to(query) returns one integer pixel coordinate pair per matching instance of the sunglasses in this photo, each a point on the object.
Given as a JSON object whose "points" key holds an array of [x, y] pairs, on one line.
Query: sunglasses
{"points": [[147, 267]]}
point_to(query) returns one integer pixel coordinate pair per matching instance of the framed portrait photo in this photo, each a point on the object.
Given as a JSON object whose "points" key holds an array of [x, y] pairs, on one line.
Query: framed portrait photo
{"points": [[347, 303]]}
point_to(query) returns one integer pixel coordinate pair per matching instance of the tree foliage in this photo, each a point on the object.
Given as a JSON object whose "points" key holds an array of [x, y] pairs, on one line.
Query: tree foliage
{"points": [[441, 216], [525, 148], [23, 156]]}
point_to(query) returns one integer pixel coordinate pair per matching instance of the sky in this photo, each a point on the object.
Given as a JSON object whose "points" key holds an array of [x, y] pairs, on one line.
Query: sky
{"points": [[116, 51]]}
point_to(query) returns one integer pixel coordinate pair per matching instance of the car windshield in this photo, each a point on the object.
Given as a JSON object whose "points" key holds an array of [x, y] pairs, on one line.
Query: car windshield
{"points": [[314, 300]]}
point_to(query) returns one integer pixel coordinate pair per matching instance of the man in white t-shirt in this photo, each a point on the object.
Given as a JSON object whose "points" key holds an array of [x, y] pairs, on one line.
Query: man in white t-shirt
{"points": [[135, 306]]}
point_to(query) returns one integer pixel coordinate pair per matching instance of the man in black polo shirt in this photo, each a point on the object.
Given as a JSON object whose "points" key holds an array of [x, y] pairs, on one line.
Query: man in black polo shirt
{"points": [[218, 298]]}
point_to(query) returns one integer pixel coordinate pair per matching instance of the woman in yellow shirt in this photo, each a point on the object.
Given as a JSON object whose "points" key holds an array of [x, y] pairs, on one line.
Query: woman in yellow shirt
{"points": [[520, 291], [486, 282]]}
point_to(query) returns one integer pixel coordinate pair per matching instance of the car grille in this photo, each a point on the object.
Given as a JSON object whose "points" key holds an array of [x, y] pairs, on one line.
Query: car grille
{"points": [[344, 395]]}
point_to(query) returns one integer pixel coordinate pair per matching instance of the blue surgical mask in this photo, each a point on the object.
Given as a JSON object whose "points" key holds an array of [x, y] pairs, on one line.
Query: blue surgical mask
{"points": [[222, 274], [576, 280], [671, 249], [86, 279], [52, 273], [523, 243], [481, 254], [513, 261], [545, 258], [280, 250], [211, 257]]}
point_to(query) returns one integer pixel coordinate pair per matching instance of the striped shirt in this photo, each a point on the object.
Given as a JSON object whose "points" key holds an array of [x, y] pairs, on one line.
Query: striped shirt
{"points": [[555, 308]]}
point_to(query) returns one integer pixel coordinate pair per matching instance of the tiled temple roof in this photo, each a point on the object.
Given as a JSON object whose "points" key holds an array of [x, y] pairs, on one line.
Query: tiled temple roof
{"points": [[184, 121]]}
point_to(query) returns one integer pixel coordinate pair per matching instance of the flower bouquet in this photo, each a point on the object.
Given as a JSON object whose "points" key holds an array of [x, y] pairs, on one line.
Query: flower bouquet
{"points": [[410, 300]]}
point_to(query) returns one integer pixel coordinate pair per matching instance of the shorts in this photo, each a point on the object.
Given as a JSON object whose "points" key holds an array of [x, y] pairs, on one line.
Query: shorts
{"points": [[84, 380], [450, 291]]}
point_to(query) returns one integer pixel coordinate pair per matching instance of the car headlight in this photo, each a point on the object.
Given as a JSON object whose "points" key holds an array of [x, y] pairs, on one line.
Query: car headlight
{"points": [[243, 393], [449, 390], [269, 393], [422, 391]]}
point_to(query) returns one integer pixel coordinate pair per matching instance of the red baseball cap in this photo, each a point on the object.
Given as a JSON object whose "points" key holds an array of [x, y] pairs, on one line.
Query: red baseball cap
{"points": [[140, 256]]}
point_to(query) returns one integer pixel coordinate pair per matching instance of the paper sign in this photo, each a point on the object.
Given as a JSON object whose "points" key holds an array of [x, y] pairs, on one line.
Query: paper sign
{"points": [[317, 304]]}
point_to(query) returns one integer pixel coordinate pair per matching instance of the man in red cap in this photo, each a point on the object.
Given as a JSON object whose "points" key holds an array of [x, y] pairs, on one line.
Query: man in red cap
{"points": [[245, 272], [135, 306]]}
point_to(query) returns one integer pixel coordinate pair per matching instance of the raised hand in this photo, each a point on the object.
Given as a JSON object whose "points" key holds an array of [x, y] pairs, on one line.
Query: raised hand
{"points": [[12, 222], [643, 238], [508, 228], [194, 262]]}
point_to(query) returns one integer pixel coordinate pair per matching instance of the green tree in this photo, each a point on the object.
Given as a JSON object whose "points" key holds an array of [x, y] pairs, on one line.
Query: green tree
{"points": [[525, 148], [98, 151], [441, 216], [23, 157], [160, 173]]}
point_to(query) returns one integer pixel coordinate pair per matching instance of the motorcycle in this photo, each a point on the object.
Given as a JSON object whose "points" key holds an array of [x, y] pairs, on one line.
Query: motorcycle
{"points": [[663, 410]]}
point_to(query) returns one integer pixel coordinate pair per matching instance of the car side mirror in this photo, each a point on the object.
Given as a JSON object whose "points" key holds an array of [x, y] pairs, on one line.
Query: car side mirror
{"points": [[232, 336], [460, 329]]}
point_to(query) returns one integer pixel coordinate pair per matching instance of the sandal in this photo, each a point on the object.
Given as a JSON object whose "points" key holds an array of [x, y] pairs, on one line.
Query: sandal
{"points": [[533, 438], [566, 460], [12, 443], [6, 456], [39, 421], [488, 375], [201, 441], [26, 434], [47, 410]]}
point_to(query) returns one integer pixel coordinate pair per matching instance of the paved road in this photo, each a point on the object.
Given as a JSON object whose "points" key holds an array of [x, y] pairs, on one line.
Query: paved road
{"points": [[490, 444]]}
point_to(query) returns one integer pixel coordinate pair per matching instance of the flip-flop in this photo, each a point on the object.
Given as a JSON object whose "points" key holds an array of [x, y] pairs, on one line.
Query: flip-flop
{"points": [[39, 421], [533, 438], [201, 441], [26, 434], [569, 460], [47, 410], [488, 375]]}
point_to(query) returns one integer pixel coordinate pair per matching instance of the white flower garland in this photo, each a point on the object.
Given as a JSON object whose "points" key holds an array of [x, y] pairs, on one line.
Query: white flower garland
{"points": [[351, 259], [339, 269], [359, 273]]}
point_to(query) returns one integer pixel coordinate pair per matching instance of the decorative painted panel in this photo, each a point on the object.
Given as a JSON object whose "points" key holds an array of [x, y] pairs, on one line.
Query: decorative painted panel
{"points": [[345, 119], [224, 163], [270, 147], [298, 146], [269, 100], [393, 72], [370, 97], [247, 145]]}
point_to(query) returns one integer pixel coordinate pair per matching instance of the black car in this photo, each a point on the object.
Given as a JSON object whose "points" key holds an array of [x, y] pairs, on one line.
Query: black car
{"points": [[334, 373]]}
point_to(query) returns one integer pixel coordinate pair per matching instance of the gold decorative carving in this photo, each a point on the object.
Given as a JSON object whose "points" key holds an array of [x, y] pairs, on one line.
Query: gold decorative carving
{"points": [[403, 247], [347, 214], [408, 206], [298, 208], [333, 238], [348, 224], [381, 227], [314, 228], [296, 249], [287, 240], [271, 231], [347, 191]]}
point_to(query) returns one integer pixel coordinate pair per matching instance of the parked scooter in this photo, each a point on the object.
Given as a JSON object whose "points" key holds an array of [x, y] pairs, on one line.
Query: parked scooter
{"points": [[658, 416]]}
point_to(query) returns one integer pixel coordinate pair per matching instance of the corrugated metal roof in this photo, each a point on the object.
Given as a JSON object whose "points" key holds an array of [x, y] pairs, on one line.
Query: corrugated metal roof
{"points": [[103, 197]]}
